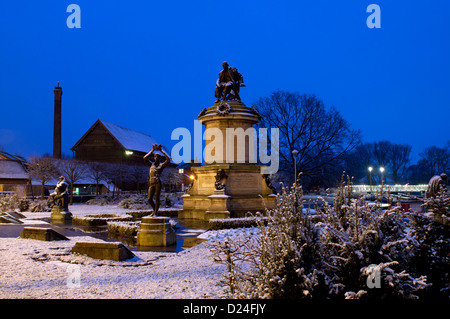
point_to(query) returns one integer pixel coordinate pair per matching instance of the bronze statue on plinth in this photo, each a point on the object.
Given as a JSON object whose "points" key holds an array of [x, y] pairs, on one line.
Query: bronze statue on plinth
{"points": [[154, 181], [228, 84], [60, 197]]}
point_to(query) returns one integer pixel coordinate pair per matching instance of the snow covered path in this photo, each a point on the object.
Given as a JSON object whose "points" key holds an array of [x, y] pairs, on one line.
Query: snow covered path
{"points": [[37, 269]]}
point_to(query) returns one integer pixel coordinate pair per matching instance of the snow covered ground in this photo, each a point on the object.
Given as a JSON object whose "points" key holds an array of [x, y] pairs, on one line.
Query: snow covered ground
{"points": [[37, 269]]}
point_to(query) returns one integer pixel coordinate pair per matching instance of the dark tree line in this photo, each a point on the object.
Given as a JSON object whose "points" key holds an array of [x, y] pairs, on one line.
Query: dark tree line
{"points": [[327, 146], [394, 158]]}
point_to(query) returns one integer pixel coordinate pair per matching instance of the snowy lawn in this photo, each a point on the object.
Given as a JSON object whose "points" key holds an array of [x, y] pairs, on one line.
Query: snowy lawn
{"points": [[37, 269]]}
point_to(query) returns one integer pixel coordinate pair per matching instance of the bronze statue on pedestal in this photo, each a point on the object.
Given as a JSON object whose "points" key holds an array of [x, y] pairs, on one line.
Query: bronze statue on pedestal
{"points": [[154, 181], [60, 197], [228, 84]]}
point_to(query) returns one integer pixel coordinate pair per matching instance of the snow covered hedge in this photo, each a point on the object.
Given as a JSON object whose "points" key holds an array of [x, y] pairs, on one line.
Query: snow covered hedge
{"points": [[226, 223], [350, 250], [123, 228]]}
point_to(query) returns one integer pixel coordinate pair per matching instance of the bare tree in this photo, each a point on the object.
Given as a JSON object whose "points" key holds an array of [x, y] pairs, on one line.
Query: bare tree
{"points": [[172, 179], [321, 136], [43, 169], [393, 157], [96, 173], [118, 174], [73, 171], [138, 174], [435, 159], [399, 159]]}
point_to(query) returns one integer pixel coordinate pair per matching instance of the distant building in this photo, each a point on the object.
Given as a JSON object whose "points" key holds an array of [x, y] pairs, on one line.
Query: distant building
{"points": [[111, 143], [13, 174]]}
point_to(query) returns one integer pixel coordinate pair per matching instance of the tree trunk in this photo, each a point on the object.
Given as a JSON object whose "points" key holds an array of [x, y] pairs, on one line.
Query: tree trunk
{"points": [[71, 194], [42, 189]]}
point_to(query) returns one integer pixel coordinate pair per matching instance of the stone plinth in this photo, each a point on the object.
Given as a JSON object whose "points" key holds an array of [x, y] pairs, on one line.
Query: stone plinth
{"points": [[111, 251], [61, 216], [244, 187], [45, 234], [155, 232], [245, 191]]}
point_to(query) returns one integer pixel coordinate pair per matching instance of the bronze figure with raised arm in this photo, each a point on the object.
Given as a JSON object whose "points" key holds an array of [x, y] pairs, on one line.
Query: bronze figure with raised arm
{"points": [[156, 165]]}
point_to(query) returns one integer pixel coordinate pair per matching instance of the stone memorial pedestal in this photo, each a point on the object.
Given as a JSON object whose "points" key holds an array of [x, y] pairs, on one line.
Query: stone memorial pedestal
{"points": [[244, 187], [155, 232], [59, 215]]}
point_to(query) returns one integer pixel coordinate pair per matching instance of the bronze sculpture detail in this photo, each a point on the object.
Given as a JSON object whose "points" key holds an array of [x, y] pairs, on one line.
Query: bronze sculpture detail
{"points": [[269, 183], [223, 108], [220, 179], [60, 197], [228, 84], [154, 182], [436, 184]]}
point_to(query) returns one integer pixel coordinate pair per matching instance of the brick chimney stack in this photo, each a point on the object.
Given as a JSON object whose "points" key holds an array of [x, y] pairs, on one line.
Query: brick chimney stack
{"points": [[57, 123]]}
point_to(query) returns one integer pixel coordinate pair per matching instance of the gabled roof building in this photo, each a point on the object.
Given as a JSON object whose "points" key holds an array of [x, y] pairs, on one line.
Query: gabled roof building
{"points": [[111, 143], [13, 173]]}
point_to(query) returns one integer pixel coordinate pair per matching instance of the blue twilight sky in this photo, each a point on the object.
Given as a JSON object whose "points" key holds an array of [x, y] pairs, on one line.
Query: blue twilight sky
{"points": [[151, 66]]}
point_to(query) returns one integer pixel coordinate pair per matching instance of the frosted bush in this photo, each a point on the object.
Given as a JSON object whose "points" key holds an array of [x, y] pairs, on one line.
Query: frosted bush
{"points": [[326, 255], [8, 202]]}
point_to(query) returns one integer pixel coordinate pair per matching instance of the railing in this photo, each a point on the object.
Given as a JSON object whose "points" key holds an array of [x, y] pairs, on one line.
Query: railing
{"points": [[392, 188]]}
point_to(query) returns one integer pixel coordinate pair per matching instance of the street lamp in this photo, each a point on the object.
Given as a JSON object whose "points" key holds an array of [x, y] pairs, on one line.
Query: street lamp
{"points": [[381, 171], [370, 177], [295, 152]]}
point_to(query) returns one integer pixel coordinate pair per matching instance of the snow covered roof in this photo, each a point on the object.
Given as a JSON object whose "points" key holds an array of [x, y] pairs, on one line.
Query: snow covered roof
{"points": [[7, 156], [11, 169], [129, 139]]}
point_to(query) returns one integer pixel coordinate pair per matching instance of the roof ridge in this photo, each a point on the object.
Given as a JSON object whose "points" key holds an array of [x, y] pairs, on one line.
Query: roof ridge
{"points": [[123, 127]]}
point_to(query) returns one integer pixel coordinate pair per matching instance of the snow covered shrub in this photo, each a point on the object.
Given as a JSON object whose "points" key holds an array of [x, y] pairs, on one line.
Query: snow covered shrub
{"points": [[226, 223], [329, 254], [283, 261], [357, 235], [8, 202], [134, 202], [39, 205], [99, 200], [123, 228], [429, 243]]}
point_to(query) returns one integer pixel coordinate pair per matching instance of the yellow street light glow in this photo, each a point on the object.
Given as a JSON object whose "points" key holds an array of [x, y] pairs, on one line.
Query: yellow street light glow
{"points": [[192, 177]]}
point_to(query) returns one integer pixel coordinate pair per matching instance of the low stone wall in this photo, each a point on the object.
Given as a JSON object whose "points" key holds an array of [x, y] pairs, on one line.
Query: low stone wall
{"points": [[39, 233], [112, 251]]}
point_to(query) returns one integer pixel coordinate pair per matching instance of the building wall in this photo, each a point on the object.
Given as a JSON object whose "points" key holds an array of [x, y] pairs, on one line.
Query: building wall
{"points": [[100, 146]]}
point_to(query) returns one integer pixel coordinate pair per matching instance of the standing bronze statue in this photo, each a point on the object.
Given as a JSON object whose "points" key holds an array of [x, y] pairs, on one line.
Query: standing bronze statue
{"points": [[154, 181], [228, 84]]}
